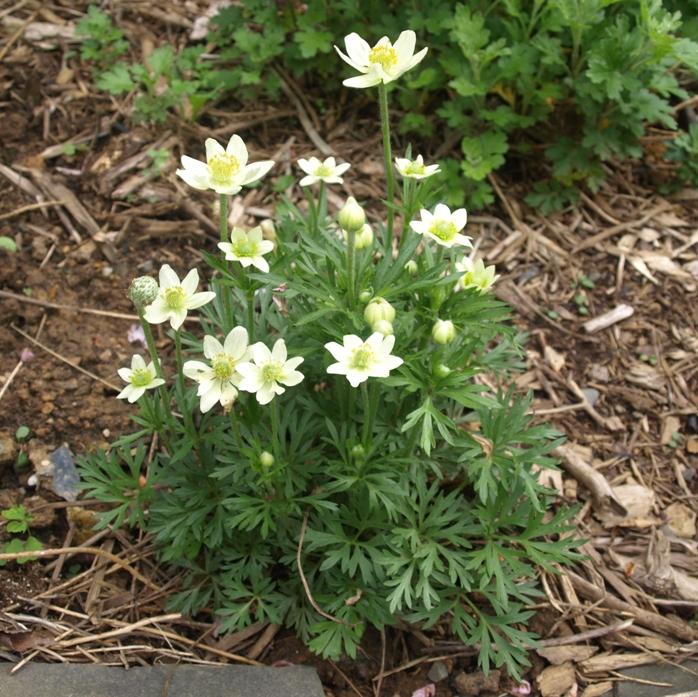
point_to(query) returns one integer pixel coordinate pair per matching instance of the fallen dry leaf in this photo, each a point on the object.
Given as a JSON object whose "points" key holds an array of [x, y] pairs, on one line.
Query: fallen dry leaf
{"points": [[681, 520], [638, 502]]}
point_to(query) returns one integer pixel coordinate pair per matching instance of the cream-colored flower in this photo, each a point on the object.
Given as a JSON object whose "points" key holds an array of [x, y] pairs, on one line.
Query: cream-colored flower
{"points": [[225, 171], [268, 370], [443, 332], [360, 360], [384, 62], [327, 171], [140, 377], [443, 226], [247, 248], [218, 380], [477, 275], [415, 169], [175, 298]]}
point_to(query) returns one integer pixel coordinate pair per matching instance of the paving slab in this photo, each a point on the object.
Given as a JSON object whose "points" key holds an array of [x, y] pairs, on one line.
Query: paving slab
{"points": [[80, 680], [683, 683]]}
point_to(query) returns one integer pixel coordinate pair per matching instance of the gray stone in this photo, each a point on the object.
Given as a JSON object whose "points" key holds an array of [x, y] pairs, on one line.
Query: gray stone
{"points": [[65, 476], [438, 671], [80, 680], [683, 683]]}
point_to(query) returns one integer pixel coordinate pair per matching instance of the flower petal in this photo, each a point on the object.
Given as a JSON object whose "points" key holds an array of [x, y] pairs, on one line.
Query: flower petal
{"points": [[190, 282], [261, 354], [459, 218], [168, 277], [307, 181], [404, 47], [279, 352], [260, 262], [238, 149], [210, 398], [199, 299], [256, 171], [351, 341], [213, 148], [236, 343], [338, 352], [358, 50], [212, 346]]}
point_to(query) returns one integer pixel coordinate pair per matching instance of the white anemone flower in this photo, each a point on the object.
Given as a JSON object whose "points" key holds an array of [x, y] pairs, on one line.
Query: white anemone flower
{"points": [[175, 298], [268, 370], [140, 377], [360, 360], [328, 171], [443, 226], [247, 248], [384, 62], [415, 169], [226, 170], [477, 275], [218, 380]]}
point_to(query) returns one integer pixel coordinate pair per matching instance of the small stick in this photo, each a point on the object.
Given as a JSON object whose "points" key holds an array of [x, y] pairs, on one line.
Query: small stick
{"points": [[30, 207], [305, 583], [65, 360], [80, 550], [377, 690], [345, 676], [16, 35]]}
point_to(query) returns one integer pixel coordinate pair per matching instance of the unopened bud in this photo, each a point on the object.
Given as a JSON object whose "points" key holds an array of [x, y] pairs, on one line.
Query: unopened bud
{"points": [[268, 230], [377, 310], [441, 370], [383, 326], [143, 291], [266, 459], [358, 452], [411, 267], [365, 296], [443, 332], [364, 237], [352, 216]]}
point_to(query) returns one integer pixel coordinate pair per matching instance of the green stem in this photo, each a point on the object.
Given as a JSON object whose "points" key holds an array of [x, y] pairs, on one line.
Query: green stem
{"points": [[250, 314], [236, 428], [367, 413], [407, 194], [389, 176], [275, 429], [412, 441], [224, 238], [312, 212], [156, 361], [439, 255], [351, 270], [182, 402], [321, 201]]}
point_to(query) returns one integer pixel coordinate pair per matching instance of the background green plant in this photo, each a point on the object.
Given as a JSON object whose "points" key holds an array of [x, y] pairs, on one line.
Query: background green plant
{"points": [[575, 80], [18, 521]]}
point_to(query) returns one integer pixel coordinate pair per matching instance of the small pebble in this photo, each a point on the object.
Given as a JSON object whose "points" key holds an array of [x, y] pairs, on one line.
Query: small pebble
{"points": [[438, 671], [146, 266], [591, 395]]}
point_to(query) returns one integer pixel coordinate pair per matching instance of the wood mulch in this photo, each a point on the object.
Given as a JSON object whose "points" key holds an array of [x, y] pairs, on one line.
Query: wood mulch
{"points": [[606, 288]]}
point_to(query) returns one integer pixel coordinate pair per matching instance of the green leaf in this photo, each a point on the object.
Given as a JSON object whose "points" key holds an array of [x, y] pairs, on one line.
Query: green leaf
{"points": [[117, 80], [8, 243], [313, 41]]}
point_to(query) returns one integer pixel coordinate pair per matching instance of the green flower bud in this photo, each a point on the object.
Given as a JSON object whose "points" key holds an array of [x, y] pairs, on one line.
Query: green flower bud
{"points": [[143, 291], [365, 296], [441, 370], [363, 239], [411, 267], [443, 332], [383, 326], [377, 310], [352, 216], [266, 459], [358, 452]]}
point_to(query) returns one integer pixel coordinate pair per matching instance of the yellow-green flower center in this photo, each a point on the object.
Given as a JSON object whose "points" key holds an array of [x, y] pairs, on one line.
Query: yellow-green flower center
{"points": [[415, 168], [323, 170], [244, 248], [271, 372], [443, 229], [385, 56], [223, 168], [174, 297], [223, 366], [141, 377], [362, 357]]}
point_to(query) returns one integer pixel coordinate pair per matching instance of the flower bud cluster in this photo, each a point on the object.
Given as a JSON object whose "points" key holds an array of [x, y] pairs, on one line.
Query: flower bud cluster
{"points": [[379, 315]]}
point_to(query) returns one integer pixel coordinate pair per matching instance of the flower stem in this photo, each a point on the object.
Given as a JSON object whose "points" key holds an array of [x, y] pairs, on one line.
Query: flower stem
{"points": [[236, 428], [312, 213], [250, 314], [390, 180], [407, 194], [351, 271], [275, 429], [154, 357], [367, 412], [439, 255], [224, 238]]}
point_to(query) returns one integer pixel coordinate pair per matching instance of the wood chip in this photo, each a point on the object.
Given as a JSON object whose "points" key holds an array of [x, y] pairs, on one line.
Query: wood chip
{"points": [[616, 661], [555, 681], [557, 655], [618, 314]]}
